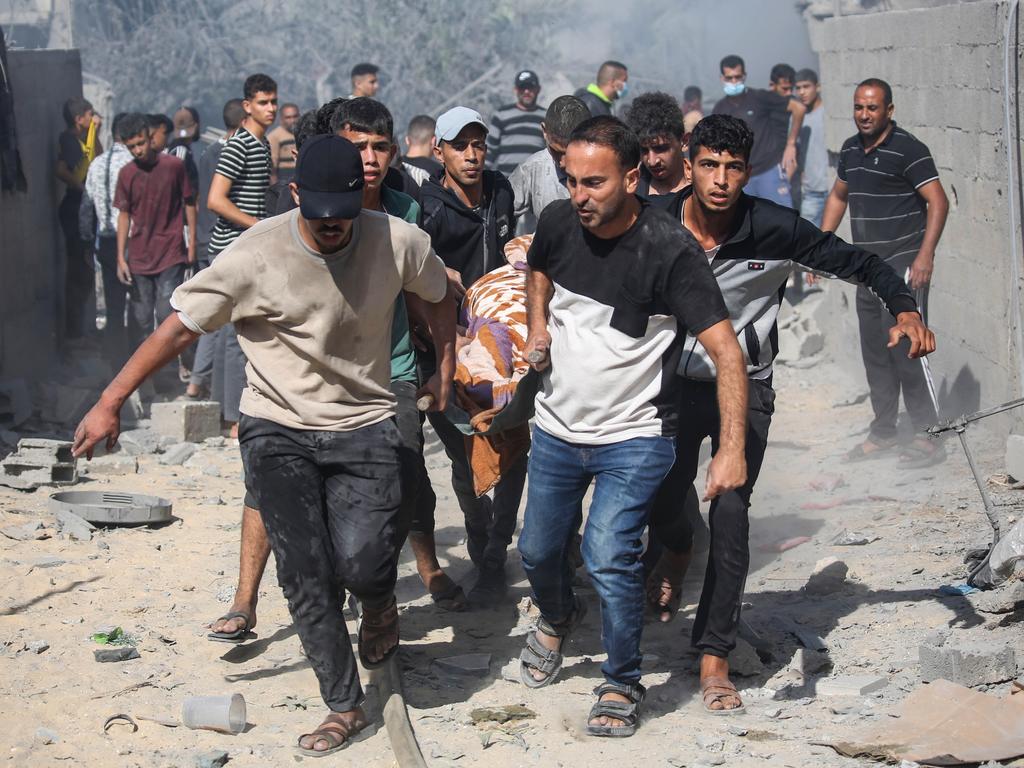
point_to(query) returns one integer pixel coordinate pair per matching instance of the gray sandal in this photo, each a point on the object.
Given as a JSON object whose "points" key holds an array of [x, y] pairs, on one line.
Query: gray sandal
{"points": [[536, 657], [628, 713]]}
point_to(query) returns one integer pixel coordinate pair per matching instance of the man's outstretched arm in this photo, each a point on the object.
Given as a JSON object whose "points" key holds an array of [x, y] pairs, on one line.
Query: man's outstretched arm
{"points": [[728, 468], [104, 420]]}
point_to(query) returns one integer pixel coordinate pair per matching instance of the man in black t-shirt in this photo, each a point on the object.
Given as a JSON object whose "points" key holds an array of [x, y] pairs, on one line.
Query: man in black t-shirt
{"points": [[775, 121], [658, 121], [612, 288], [897, 209]]}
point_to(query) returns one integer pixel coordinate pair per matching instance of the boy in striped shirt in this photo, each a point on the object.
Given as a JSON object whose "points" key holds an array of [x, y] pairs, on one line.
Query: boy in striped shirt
{"points": [[237, 196]]}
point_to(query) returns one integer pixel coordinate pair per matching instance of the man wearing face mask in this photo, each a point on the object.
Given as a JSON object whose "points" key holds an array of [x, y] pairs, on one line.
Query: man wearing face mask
{"points": [[767, 113], [612, 84]]}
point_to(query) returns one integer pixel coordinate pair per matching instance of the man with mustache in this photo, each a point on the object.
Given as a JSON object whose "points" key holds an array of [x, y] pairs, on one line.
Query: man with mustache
{"points": [[469, 216], [897, 209], [312, 294], [614, 285]]}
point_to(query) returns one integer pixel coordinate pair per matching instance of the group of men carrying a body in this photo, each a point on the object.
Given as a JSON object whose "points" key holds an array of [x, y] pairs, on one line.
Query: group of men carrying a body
{"points": [[651, 329]]}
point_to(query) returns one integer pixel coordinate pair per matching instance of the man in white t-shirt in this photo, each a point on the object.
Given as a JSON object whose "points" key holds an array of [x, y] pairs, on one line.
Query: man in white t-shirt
{"points": [[311, 294]]}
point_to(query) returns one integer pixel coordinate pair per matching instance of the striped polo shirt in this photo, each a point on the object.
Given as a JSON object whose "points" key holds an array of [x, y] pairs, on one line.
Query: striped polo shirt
{"points": [[246, 161], [514, 135], [887, 215]]}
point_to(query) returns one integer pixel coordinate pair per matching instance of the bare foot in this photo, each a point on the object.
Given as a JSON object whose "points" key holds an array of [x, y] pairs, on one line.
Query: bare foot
{"points": [[714, 671], [233, 431], [335, 730]]}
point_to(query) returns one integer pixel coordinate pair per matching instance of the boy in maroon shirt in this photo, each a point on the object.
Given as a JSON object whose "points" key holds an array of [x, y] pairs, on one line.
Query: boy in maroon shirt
{"points": [[155, 200]]}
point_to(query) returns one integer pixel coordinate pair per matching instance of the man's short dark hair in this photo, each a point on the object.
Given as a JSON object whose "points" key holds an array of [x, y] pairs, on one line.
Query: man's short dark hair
{"points": [[782, 72], [655, 114], [326, 112], [157, 120], [364, 115], [363, 68], [884, 87], [306, 127], [564, 114], [133, 124], [610, 70], [234, 114], [74, 108], [115, 126], [290, 104], [421, 129], [692, 93], [731, 62], [258, 83], [607, 131], [722, 133], [806, 76]]}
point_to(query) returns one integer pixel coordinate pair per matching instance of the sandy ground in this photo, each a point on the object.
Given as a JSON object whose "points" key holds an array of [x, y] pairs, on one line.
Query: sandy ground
{"points": [[162, 585]]}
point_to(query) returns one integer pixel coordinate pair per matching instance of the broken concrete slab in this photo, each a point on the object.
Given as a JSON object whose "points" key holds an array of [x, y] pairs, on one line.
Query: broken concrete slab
{"points": [[138, 442], [847, 538], [39, 462], [1003, 599], [37, 646], [468, 664], [45, 452], [744, 661], [502, 714], [114, 464], [850, 685], [213, 759], [178, 454], [799, 340], [966, 662], [828, 576], [28, 531], [806, 662], [73, 526], [122, 653], [191, 422]]}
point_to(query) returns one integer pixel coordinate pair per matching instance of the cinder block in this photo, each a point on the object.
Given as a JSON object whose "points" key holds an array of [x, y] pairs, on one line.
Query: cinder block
{"points": [[966, 662], [186, 422], [1015, 457]]}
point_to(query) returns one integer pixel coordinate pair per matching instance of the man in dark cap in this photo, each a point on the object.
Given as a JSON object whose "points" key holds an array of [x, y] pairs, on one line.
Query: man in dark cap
{"points": [[318, 435], [516, 130]]}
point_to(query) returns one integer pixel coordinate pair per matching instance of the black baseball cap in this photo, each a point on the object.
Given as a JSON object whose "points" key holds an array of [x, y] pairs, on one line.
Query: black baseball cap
{"points": [[527, 79], [329, 175]]}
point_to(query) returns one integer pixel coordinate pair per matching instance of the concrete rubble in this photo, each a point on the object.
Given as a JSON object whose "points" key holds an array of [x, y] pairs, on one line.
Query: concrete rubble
{"points": [[39, 462], [967, 662], [186, 422]]}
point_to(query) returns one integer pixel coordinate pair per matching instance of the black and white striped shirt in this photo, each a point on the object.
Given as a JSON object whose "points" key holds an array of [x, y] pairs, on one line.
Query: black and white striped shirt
{"points": [[514, 135], [245, 160], [887, 215]]}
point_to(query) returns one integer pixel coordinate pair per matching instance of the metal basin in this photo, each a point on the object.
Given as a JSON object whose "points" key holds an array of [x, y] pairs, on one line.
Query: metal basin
{"points": [[113, 507]]}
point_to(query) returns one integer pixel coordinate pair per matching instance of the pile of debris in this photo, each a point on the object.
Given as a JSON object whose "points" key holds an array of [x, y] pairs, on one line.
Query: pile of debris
{"points": [[39, 462]]}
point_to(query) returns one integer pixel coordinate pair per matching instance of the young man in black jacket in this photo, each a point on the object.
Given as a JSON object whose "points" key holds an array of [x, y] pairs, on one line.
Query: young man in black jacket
{"points": [[752, 245], [469, 215]]}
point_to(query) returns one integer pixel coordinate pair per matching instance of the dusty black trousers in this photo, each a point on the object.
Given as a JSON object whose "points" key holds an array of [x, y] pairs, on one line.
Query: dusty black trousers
{"points": [[330, 503], [718, 613]]}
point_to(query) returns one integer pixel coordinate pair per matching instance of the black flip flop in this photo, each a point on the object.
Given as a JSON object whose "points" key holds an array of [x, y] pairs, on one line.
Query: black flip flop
{"points": [[452, 599], [239, 635]]}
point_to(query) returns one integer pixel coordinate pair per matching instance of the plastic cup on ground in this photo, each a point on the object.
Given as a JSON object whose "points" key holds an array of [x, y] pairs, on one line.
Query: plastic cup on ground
{"points": [[214, 713]]}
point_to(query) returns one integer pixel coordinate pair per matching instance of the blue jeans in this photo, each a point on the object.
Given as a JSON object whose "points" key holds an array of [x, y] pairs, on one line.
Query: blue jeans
{"points": [[771, 185], [628, 475], [812, 206]]}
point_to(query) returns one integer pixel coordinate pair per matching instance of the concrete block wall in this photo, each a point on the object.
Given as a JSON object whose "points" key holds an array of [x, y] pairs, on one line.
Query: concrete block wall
{"points": [[31, 244], [945, 64]]}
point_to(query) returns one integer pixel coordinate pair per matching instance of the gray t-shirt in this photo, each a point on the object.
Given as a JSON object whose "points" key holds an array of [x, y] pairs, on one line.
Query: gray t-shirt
{"points": [[815, 155]]}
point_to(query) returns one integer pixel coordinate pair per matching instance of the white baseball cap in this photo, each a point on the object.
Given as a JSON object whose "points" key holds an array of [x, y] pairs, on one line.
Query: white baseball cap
{"points": [[451, 123]]}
